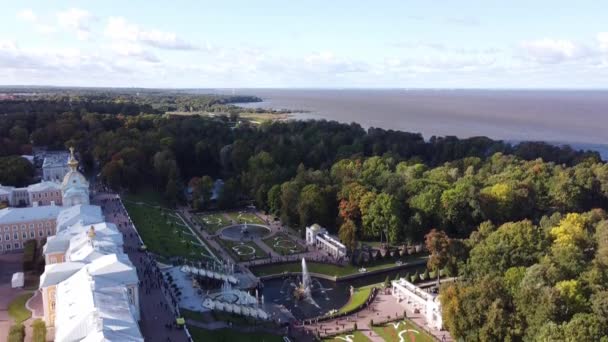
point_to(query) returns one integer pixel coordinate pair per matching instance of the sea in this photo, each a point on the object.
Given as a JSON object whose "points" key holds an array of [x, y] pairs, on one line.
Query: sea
{"points": [[578, 118]]}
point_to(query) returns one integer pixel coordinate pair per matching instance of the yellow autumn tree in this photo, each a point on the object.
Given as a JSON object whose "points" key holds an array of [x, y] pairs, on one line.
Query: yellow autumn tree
{"points": [[570, 232]]}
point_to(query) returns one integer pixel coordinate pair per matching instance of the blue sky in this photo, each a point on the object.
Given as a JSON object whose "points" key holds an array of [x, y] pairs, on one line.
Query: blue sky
{"points": [[320, 44]]}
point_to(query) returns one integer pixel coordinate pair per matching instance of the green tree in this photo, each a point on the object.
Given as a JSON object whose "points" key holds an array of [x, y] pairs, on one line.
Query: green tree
{"points": [[584, 327], [512, 244], [312, 206], [573, 298], [347, 233], [383, 214], [438, 244], [15, 171], [274, 199]]}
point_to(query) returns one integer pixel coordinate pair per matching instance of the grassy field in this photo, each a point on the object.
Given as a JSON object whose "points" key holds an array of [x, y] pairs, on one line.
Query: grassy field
{"points": [[359, 297], [408, 330], [357, 336], [212, 222], [263, 117], [164, 233], [331, 270], [148, 196], [227, 335], [248, 250], [284, 244], [243, 217], [17, 310]]}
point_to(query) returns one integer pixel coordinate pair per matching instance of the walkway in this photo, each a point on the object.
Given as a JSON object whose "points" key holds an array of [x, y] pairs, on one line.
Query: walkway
{"points": [[158, 313]]}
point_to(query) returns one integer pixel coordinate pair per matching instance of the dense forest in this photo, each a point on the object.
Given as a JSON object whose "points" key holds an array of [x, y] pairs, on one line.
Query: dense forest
{"points": [[523, 226], [526, 281]]}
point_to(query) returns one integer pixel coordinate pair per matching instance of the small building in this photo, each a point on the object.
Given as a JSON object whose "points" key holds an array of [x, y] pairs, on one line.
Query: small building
{"points": [[55, 166], [317, 236], [414, 297], [43, 193]]}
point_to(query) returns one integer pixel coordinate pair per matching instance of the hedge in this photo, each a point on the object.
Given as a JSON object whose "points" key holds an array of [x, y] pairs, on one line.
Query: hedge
{"points": [[39, 331], [16, 333]]}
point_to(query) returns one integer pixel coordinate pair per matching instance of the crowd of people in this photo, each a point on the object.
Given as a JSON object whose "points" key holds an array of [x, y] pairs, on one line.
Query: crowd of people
{"points": [[157, 303]]}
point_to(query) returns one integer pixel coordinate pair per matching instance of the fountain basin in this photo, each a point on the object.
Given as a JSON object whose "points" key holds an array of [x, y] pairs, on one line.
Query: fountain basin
{"points": [[327, 295], [239, 232]]}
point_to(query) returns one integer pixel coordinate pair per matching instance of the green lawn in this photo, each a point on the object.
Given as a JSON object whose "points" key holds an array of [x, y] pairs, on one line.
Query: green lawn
{"points": [[331, 270], [412, 332], [227, 335], [148, 196], [193, 315], [212, 222], [244, 217], [243, 251], [356, 336], [17, 310], [284, 244], [359, 297], [164, 233]]}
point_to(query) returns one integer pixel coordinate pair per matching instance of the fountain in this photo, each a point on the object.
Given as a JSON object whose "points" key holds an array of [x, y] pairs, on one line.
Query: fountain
{"points": [[244, 229], [305, 296], [228, 294], [239, 232], [303, 290]]}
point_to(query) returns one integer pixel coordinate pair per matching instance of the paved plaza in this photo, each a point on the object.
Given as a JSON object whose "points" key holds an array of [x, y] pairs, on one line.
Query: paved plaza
{"points": [[383, 308]]}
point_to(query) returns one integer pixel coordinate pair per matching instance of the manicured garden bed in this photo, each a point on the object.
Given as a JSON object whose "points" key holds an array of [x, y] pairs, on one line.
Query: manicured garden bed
{"points": [[284, 244], [243, 251], [409, 331], [244, 217], [356, 336], [212, 223]]}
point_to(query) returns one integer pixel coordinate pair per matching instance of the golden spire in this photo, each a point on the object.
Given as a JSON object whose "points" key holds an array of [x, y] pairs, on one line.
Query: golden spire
{"points": [[91, 233], [72, 162]]}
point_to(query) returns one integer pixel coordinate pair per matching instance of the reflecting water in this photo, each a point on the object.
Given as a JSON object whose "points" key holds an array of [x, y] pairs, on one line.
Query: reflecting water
{"points": [[245, 232]]}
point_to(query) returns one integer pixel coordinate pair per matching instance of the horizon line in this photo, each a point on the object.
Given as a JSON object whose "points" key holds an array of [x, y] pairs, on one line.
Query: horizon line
{"points": [[301, 88]]}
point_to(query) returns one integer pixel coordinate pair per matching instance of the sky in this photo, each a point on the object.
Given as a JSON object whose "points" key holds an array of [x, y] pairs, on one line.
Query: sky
{"points": [[306, 44]]}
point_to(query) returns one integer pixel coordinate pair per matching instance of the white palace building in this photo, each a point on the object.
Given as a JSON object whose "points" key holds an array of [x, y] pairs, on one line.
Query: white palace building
{"points": [[412, 296], [89, 286], [318, 236]]}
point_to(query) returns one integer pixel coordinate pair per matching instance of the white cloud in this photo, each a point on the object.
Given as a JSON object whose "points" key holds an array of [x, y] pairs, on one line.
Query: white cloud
{"points": [[552, 51], [27, 15], [77, 20], [127, 49], [602, 39], [120, 29]]}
